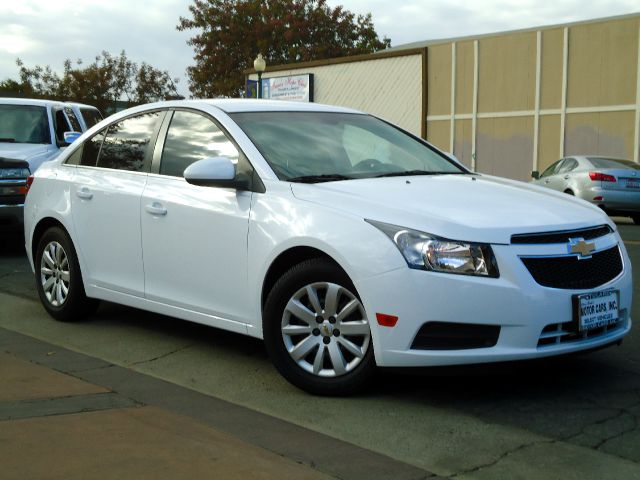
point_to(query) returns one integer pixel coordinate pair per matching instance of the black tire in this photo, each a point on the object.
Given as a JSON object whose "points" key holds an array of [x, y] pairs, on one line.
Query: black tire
{"points": [[74, 304], [569, 192], [636, 219], [354, 371]]}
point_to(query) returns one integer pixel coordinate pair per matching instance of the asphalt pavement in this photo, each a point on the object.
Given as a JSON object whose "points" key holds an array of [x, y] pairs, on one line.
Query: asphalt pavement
{"points": [[574, 417]]}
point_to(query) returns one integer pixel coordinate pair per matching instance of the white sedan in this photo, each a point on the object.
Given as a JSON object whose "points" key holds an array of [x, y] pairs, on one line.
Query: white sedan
{"points": [[343, 241]]}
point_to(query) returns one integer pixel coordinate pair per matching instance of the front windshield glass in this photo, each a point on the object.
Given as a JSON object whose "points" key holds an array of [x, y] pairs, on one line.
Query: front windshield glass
{"points": [[319, 146], [24, 124]]}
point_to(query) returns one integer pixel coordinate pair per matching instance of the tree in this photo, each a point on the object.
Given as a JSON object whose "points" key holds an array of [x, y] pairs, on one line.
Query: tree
{"points": [[106, 80], [230, 34]]}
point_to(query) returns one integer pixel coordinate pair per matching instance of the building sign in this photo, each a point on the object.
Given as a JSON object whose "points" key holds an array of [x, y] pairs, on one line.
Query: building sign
{"points": [[297, 88]]}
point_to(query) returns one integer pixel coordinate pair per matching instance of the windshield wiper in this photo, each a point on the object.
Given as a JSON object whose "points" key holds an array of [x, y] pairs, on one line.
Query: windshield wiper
{"points": [[332, 177], [407, 173], [7, 140]]}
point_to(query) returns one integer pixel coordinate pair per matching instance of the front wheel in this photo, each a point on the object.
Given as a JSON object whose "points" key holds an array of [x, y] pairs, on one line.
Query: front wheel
{"points": [[58, 278], [316, 330]]}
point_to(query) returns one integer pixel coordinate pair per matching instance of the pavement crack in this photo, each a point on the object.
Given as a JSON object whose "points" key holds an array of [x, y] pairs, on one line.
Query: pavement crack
{"points": [[159, 357], [500, 458]]}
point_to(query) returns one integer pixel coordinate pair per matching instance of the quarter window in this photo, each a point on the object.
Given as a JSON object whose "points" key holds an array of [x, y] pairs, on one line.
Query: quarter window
{"points": [[91, 149], [192, 137], [127, 143]]}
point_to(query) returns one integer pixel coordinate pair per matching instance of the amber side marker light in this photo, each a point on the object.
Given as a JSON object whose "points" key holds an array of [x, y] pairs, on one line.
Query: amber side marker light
{"points": [[386, 320], [30, 179]]}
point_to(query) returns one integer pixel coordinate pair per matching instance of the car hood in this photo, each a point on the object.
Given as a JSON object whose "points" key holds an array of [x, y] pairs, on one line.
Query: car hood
{"points": [[22, 151], [462, 207]]}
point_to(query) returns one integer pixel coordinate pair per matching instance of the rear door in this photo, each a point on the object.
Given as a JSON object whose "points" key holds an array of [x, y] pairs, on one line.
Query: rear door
{"points": [[105, 202], [194, 238]]}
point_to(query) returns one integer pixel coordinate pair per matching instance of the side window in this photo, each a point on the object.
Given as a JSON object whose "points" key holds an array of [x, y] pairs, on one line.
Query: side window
{"points": [[192, 137], [91, 116], [75, 124], [568, 165], [127, 143], [61, 125], [91, 149], [551, 169]]}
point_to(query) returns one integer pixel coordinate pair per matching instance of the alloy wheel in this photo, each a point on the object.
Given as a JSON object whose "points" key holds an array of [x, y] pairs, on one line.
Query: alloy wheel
{"points": [[325, 329]]}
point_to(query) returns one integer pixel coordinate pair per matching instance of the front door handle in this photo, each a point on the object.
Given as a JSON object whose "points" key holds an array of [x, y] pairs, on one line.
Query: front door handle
{"points": [[546, 181], [84, 193], [156, 208]]}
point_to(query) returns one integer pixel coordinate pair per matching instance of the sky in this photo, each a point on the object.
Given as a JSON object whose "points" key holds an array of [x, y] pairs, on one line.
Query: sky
{"points": [[46, 32]]}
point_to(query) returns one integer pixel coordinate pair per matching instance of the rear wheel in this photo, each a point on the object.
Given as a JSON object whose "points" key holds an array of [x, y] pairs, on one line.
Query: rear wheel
{"points": [[58, 278], [316, 330], [569, 192]]}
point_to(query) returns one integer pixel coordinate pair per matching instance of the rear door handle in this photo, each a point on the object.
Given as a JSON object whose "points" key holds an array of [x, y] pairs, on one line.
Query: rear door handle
{"points": [[84, 193], [546, 181], [156, 208]]}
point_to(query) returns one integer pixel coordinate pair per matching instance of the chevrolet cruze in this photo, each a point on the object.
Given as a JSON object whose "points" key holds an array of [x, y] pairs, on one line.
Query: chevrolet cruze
{"points": [[343, 241]]}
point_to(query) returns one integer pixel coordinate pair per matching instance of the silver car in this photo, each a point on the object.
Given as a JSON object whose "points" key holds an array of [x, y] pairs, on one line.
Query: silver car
{"points": [[611, 183]]}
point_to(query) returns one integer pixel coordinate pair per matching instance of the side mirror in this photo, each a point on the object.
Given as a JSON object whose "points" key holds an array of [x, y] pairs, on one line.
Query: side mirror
{"points": [[214, 172], [70, 137], [535, 174]]}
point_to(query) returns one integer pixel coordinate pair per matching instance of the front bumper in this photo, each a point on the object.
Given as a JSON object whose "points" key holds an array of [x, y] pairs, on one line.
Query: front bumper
{"points": [[514, 302]]}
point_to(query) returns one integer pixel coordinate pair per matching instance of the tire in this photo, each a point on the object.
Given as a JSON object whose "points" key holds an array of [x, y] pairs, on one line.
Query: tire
{"points": [[58, 278], [569, 192], [305, 343]]}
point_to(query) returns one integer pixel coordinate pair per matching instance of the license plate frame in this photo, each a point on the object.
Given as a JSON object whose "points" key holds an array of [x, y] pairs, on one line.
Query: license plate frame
{"points": [[594, 309]]}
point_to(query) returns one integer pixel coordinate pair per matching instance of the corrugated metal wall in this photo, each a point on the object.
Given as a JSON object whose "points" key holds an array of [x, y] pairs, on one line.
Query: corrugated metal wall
{"points": [[511, 103]]}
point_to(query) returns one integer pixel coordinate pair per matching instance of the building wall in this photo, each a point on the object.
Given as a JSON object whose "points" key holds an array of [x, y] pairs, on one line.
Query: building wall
{"points": [[504, 104], [390, 87], [510, 103]]}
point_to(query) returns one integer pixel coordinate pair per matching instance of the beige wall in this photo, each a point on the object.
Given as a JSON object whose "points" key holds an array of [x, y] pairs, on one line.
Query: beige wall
{"points": [[532, 109], [390, 88]]}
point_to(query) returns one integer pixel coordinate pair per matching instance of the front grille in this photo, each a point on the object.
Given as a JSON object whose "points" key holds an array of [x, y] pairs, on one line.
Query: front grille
{"points": [[560, 333], [562, 236], [455, 336], [570, 272]]}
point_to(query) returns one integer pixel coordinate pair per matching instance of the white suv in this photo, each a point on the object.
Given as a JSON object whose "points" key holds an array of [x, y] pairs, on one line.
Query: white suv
{"points": [[343, 241], [32, 132]]}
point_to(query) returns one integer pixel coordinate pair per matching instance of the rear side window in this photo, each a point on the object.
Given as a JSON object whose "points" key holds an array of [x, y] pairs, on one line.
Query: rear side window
{"points": [[127, 143], [192, 137], [91, 116], [568, 165]]}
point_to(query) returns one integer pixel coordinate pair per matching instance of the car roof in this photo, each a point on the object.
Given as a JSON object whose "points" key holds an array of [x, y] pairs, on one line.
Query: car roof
{"points": [[234, 105], [31, 101], [81, 105]]}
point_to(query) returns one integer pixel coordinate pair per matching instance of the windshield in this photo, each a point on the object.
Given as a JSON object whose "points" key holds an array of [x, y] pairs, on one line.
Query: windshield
{"points": [[24, 124], [319, 146]]}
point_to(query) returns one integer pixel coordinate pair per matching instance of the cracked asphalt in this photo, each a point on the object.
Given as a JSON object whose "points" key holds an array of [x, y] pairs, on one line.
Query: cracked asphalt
{"points": [[573, 417]]}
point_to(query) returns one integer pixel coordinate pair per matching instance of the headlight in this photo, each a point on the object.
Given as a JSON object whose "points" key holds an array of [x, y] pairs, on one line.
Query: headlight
{"points": [[429, 252]]}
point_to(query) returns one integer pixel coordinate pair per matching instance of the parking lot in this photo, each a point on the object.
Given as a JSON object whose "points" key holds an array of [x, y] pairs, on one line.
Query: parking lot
{"points": [[575, 417]]}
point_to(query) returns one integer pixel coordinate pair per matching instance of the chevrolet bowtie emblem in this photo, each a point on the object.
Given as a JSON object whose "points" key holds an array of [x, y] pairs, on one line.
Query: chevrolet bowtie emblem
{"points": [[582, 248]]}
